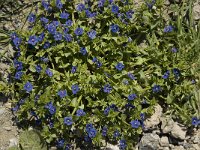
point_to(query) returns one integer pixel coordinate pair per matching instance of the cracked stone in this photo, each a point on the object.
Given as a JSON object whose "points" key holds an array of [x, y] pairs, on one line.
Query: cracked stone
{"points": [[164, 141], [178, 132]]}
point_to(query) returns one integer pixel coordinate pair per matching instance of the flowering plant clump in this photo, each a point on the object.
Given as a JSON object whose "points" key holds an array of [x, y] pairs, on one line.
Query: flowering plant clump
{"points": [[81, 72]]}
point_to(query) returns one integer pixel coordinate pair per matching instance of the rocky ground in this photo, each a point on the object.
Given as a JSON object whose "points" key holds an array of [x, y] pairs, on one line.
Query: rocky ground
{"points": [[8, 131]]}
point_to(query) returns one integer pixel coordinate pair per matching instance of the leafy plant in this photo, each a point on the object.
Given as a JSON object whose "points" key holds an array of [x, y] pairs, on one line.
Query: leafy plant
{"points": [[92, 71]]}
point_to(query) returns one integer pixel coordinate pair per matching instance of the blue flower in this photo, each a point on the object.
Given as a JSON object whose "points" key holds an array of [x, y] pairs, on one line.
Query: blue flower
{"points": [[18, 65], [38, 68], [80, 7], [80, 112], [168, 29], [150, 5], [107, 110], [41, 37], [156, 88], [104, 131], [33, 40], [46, 45], [78, 31], [174, 50], [83, 51], [195, 121], [115, 9], [131, 76], [51, 108], [99, 64], [60, 143], [68, 37], [92, 34], [116, 134], [88, 127], [56, 23], [49, 72], [45, 4], [64, 15], [69, 23], [129, 14], [114, 28], [73, 70], [44, 20], [75, 89], [62, 93], [58, 36], [132, 97], [59, 4], [90, 14], [87, 139], [119, 66], [28, 86], [68, 121], [176, 72], [44, 59], [92, 133], [110, 1], [66, 30], [135, 124], [166, 74], [129, 105], [122, 144], [51, 28], [17, 41], [51, 124], [114, 107], [101, 3], [18, 75], [67, 147], [107, 88], [31, 18], [142, 116], [16, 108]]}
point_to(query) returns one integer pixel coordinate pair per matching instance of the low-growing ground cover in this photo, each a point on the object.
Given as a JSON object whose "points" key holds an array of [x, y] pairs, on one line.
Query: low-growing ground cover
{"points": [[86, 72]]}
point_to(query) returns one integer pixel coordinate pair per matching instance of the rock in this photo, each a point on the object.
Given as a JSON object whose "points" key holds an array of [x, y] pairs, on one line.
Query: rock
{"points": [[164, 141], [7, 128], [2, 111], [13, 142], [179, 148], [7, 105], [196, 10], [178, 132], [167, 124], [165, 148], [196, 138], [196, 146], [149, 142], [154, 120], [111, 147]]}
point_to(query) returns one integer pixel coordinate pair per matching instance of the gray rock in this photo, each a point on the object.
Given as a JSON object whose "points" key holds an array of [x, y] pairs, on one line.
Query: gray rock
{"points": [[178, 132], [154, 120], [149, 142], [13, 142], [196, 146], [164, 141], [167, 124], [7, 128], [165, 148], [196, 10], [2, 111], [179, 148], [111, 147]]}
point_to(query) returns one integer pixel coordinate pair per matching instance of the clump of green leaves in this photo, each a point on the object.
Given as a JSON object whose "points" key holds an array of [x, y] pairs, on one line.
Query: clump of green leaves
{"points": [[94, 70]]}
